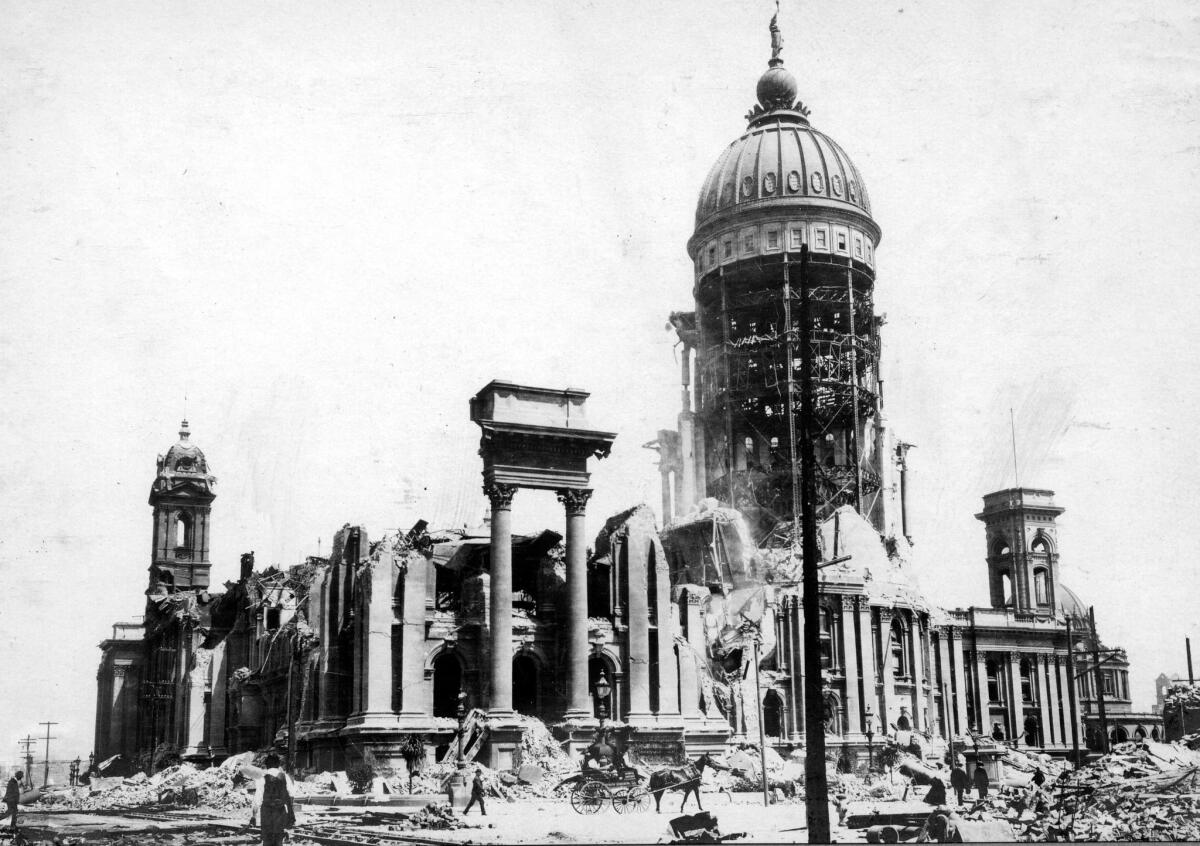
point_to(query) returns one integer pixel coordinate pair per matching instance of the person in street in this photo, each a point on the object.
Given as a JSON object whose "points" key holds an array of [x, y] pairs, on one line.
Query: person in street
{"points": [[959, 781], [12, 797], [997, 732], [981, 781], [273, 802], [1039, 778], [936, 795], [476, 794]]}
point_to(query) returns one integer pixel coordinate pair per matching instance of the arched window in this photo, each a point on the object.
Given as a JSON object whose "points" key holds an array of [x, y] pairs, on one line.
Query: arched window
{"points": [[1040, 546], [772, 715], [995, 689], [1041, 586], [1026, 681], [183, 529], [1006, 588], [1000, 547]]}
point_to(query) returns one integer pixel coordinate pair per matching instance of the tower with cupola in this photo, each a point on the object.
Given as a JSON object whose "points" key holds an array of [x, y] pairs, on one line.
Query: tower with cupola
{"points": [[181, 496], [1022, 549]]}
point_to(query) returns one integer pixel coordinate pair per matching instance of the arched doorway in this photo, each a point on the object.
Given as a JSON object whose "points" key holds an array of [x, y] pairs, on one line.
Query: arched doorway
{"points": [[772, 714], [525, 684], [447, 682], [1119, 735]]}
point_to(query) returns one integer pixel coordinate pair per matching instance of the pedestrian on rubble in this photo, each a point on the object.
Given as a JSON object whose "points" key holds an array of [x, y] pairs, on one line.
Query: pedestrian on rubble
{"points": [[1039, 777], [997, 732], [273, 803], [981, 781], [959, 781], [936, 795], [12, 797], [476, 794]]}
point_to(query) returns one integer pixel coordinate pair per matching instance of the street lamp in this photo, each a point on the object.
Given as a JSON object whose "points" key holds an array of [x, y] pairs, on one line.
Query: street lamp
{"points": [[461, 713], [870, 720], [602, 690]]}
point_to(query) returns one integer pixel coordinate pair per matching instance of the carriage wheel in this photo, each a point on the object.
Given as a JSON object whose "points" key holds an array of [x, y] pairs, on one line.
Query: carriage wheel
{"points": [[634, 800], [589, 797]]}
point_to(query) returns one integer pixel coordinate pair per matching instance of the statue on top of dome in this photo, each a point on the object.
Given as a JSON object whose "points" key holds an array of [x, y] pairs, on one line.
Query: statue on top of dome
{"points": [[776, 36]]}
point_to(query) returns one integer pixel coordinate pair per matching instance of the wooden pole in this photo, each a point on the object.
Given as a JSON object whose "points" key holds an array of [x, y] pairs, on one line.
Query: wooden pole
{"points": [[1099, 681], [816, 784], [1074, 702], [1188, 642], [46, 772], [762, 732]]}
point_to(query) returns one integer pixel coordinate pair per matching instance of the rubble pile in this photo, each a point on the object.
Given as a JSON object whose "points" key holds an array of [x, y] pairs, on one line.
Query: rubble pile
{"points": [[440, 817], [215, 788], [1181, 693]]}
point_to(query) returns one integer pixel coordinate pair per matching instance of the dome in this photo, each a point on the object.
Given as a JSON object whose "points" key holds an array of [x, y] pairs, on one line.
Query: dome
{"points": [[1070, 603], [782, 163], [184, 457]]}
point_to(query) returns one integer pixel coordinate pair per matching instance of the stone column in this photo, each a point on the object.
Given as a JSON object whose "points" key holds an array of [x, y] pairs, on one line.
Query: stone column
{"points": [[850, 651], [192, 732], [501, 497], [375, 665], [216, 713], [918, 672], [1015, 706], [115, 727], [689, 673], [1070, 726], [579, 701], [413, 701], [668, 681], [701, 467], [981, 689], [947, 694], [960, 673], [887, 694], [638, 603], [931, 665], [797, 640], [1043, 699], [867, 639]]}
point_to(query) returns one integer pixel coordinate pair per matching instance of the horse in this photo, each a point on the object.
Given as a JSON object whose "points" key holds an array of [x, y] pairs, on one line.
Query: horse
{"points": [[685, 778]]}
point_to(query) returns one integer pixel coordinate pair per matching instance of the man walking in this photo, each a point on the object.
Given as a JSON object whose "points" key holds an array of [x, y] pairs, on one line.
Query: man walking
{"points": [[958, 780], [476, 794], [273, 803], [12, 797], [981, 781]]}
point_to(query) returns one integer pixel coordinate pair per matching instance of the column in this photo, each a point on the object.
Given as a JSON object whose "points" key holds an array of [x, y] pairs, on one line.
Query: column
{"points": [[1043, 699], [579, 701], [500, 621], [701, 464], [918, 673], [797, 628], [1068, 721], [689, 672], [947, 693], [850, 651], [375, 699], [931, 665], [635, 553], [1015, 706], [867, 640], [216, 715], [960, 672], [115, 714], [192, 733], [687, 437], [668, 681], [887, 694], [413, 701], [982, 698]]}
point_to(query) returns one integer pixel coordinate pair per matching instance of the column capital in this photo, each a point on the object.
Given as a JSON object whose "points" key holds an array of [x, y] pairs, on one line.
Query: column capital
{"points": [[574, 500], [886, 615], [500, 495], [955, 631], [849, 603]]}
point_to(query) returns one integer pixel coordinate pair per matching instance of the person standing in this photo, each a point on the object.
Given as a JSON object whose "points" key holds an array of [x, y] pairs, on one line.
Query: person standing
{"points": [[476, 794], [959, 781], [981, 781], [12, 797], [936, 795], [273, 803]]}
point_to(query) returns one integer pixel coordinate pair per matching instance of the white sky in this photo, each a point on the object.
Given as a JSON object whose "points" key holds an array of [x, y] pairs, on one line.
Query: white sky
{"points": [[329, 224]]}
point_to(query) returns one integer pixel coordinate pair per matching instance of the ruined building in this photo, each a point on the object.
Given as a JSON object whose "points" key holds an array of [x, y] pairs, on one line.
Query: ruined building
{"points": [[655, 626]]}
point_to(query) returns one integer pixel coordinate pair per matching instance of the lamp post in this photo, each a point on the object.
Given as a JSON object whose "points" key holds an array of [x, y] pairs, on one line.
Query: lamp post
{"points": [[870, 720], [602, 689], [461, 712]]}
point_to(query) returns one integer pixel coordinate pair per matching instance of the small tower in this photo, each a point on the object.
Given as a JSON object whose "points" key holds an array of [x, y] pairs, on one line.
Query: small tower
{"points": [[1022, 548], [181, 497]]}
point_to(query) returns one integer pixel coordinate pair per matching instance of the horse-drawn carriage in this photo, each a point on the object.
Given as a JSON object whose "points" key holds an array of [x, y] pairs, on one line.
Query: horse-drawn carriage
{"points": [[592, 789]]}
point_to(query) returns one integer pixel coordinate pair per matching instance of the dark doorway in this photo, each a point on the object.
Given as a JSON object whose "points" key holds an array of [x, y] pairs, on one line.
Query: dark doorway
{"points": [[525, 685], [772, 715], [447, 681]]}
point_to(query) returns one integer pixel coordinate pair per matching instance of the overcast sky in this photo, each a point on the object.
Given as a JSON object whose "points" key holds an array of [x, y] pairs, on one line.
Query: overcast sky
{"points": [[328, 224]]}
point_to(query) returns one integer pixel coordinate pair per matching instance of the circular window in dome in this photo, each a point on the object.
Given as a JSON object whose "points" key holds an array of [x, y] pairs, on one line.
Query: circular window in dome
{"points": [[794, 181], [769, 183], [817, 181], [835, 182], [747, 186]]}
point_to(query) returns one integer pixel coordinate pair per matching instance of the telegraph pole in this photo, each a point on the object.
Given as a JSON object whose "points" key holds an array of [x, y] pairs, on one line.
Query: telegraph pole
{"points": [[816, 784], [46, 772], [1099, 681], [1188, 643], [1071, 692], [28, 741]]}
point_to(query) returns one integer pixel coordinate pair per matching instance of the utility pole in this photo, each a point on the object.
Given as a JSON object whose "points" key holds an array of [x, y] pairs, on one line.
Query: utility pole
{"points": [[1099, 680], [762, 732], [816, 784], [28, 741], [46, 772], [1071, 692], [1188, 642]]}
